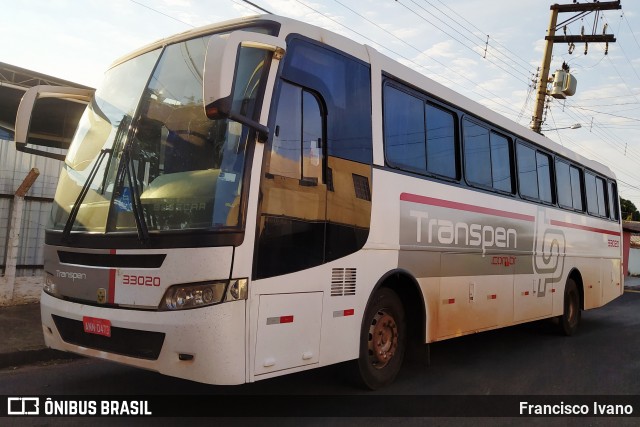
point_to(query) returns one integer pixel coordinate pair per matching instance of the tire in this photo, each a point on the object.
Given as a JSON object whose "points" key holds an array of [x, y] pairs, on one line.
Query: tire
{"points": [[382, 339], [570, 318]]}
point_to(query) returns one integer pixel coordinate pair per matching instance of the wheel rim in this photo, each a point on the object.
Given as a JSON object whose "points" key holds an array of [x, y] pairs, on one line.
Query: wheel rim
{"points": [[383, 339]]}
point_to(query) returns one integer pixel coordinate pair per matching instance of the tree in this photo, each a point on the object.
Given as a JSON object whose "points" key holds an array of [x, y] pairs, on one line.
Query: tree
{"points": [[629, 210]]}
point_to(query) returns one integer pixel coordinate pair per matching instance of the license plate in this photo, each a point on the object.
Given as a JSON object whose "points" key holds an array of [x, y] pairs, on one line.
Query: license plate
{"points": [[93, 325]]}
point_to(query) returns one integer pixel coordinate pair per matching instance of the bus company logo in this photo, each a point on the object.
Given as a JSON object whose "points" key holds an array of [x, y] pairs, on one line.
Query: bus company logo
{"points": [[505, 261], [551, 246], [447, 232], [23, 406], [71, 275]]}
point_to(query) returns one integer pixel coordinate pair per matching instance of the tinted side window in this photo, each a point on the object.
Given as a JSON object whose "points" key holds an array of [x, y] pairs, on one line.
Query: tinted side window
{"points": [[613, 201], [527, 171], [595, 189], [441, 142], [602, 206], [534, 174], [500, 163], [477, 155], [286, 151], [404, 132], [576, 187], [487, 157], [563, 181], [345, 86], [544, 177], [592, 196]]}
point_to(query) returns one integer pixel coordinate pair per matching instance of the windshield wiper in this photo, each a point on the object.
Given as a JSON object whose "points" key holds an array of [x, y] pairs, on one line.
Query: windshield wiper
{"points": [[136, 204], [83, 193]]}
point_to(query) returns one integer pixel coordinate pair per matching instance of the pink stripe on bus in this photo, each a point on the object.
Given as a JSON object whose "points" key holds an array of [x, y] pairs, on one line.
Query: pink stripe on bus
{"points": [[407, 197], [585, 228]]}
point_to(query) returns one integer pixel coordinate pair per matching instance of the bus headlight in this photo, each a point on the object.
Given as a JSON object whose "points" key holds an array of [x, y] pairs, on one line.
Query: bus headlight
{"points": [[49, 285], [237, 290], [179, 297]]}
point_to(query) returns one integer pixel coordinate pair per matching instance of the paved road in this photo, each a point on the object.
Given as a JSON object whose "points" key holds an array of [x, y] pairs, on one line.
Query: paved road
{"points": [[532, 359]]}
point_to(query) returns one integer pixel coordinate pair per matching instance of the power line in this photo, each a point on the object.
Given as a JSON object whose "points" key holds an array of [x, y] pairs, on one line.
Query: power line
{"points": [[609, 97], [630, 29], [458, 40], [162, 13], [607, 114], [478, 29], [257, 7], [507, 103], [605, 136], [629, 61]]}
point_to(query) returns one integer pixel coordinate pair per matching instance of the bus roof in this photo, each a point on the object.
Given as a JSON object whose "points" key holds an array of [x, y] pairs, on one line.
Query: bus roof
{"points": [[382, 63]]}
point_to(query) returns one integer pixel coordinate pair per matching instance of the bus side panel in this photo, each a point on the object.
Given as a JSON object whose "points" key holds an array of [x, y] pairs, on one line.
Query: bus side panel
{"points": [[611, 283], [473, 302]]}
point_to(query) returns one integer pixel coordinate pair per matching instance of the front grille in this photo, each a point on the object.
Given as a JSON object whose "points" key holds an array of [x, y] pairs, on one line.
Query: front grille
{"points": [[112, 260], [127, 342]]}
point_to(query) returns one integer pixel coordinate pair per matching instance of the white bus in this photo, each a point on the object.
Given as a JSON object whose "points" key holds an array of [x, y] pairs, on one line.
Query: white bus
{"points": [[262, 197]]}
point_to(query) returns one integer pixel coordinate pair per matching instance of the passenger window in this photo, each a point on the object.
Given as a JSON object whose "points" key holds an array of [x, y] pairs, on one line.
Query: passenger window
{"points": [[404, 130], [500, 163], [594, 187], [527, 171], [534, 177], [477, 155], [613, 201], [602, 206], [592, 197], [563, 181], [544, 177], [418, 136], [576, 188], [441, 142], [487, 157]]}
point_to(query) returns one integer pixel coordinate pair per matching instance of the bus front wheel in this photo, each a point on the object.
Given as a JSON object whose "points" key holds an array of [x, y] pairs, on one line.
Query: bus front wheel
{"points": [[382, 339], [570, 318]]}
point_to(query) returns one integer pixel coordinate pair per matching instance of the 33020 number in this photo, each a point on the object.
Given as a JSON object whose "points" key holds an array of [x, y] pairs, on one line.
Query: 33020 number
{"points": [[130, 279]]}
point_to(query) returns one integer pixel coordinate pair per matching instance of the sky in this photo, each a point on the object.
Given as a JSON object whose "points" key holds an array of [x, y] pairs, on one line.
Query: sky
{"points": [[487, 50]]}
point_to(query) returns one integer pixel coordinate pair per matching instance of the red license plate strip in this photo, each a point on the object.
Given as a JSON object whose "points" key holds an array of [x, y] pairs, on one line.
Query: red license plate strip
{"points": [[94, 325]]}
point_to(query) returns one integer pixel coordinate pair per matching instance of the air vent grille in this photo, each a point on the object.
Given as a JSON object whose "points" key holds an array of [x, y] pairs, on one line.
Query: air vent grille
{"points": [[343, 282]]}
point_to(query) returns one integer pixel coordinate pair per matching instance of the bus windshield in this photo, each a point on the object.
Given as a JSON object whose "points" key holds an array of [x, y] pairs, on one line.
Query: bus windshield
{"points": [[145, 151]]}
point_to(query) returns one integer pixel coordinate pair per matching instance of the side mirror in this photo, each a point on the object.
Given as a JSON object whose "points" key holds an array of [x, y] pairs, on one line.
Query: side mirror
{"points": [[67, 105], [238, 67]]}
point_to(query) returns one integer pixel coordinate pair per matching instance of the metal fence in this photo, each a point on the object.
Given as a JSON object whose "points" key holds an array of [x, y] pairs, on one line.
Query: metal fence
{"points": [[14, 167]]}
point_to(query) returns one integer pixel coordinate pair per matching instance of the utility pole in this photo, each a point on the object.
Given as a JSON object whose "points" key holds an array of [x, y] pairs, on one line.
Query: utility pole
{"points": [[551, 38]]}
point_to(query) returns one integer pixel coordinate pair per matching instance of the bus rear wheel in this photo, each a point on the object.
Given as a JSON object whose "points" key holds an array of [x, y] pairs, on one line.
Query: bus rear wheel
{"points": [[382, 339], [570, 318]]}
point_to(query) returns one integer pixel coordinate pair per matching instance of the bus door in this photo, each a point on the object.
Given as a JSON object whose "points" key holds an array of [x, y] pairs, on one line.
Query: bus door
{"points": [[291, 235]]}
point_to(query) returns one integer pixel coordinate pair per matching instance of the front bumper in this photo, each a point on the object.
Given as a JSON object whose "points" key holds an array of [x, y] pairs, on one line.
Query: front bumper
{"points": [[214, 336]]}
